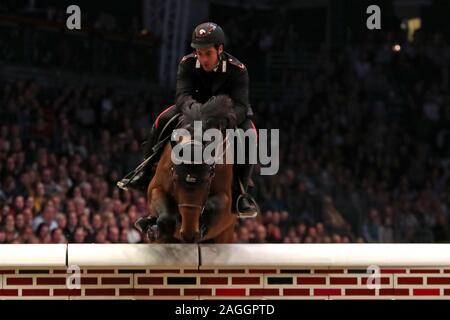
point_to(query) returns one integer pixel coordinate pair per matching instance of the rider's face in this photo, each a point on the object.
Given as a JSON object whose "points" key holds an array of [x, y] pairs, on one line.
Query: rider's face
{"points": [[209, 57]]}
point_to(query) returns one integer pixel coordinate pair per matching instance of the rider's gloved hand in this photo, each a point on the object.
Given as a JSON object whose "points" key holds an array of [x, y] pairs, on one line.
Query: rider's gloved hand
{"points": [[196, 107], [217, 104], [195, 111], [223, 101], [215, 108], [211, 103]]}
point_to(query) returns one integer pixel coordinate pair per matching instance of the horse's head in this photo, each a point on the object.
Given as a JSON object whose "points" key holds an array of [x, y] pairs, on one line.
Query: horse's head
{"points": [[192, 175]]}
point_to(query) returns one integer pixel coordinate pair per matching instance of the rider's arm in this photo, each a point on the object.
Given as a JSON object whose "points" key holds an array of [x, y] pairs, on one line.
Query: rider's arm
{"points": [[239, 95], [184, 88]]}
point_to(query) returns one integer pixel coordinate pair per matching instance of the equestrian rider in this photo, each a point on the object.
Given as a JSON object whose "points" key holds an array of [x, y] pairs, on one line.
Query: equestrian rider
{"points": [[207, 72]]}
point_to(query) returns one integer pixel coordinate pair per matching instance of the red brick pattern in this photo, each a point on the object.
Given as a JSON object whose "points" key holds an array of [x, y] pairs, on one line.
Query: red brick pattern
{"points": [[296, 292], [311, 280], [250, 283]]}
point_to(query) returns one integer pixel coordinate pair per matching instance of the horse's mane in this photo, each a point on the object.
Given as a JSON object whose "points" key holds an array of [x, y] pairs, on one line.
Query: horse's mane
{"points": [[214, 113]]}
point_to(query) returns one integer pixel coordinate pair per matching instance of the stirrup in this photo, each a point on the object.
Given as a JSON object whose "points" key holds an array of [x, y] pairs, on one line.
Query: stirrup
{"points": [[245, 215], [125, 181], [123, 185], [245, 194]]}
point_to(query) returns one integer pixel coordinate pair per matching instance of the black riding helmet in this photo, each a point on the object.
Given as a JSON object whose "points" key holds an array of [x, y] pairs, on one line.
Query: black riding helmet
{"points": [[206, 35]]}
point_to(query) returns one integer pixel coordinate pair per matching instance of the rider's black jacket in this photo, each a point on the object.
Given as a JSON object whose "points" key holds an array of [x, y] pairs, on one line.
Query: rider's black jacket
{"points": [[195, 85]]}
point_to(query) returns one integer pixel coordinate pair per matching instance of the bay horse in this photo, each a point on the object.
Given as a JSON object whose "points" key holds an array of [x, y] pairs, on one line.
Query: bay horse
{"points": [[192, 202]]}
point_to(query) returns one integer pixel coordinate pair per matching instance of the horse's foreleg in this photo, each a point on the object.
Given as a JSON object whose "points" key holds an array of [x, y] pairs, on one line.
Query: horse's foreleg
{"points": [[158, 203], [217, 216], [227, 235], [213, 208], [159, 207]]}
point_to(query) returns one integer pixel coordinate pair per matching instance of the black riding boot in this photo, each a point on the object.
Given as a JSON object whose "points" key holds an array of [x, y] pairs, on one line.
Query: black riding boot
{"points": [[247, 207], [141, 179]]}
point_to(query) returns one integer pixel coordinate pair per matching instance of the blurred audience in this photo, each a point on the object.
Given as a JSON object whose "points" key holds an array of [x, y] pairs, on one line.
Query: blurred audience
{"points": [[365, 154]]}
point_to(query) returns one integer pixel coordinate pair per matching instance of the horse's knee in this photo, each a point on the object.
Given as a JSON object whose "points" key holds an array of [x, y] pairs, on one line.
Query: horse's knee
{"points": [[165, 220], [217, 202], [224, 199], [158, 202], [166, 225]]}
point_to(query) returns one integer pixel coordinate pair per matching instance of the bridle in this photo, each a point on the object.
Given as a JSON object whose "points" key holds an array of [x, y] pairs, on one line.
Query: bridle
{"points": [[189, 179], [192, 179]]}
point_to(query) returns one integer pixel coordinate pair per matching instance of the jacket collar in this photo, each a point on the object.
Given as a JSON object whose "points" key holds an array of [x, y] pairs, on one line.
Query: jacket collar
{"points": [[221, 66]]}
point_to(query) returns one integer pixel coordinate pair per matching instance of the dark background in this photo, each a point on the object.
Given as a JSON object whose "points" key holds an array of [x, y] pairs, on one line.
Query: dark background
{"points": [[364, 129]]}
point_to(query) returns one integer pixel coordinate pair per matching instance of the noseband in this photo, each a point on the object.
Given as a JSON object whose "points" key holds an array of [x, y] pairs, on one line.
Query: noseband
{"points": [[179, 174], [192, 174]]}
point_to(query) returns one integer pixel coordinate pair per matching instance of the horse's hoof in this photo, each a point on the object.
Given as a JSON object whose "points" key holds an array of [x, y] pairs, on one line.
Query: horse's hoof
{"points": [[168, 240], [144, 224], [195, 239], [153, 233]]}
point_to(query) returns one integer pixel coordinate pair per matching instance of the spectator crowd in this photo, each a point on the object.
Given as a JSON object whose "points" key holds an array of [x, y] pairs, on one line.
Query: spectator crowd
{"points": [[364, 153]]}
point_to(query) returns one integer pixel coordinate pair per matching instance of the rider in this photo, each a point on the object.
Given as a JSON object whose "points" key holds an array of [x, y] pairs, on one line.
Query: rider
{"points": [[207, 72]]}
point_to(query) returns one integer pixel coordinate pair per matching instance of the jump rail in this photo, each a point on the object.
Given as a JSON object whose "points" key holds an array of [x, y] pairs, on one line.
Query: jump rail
{"points": [[230, 271]]}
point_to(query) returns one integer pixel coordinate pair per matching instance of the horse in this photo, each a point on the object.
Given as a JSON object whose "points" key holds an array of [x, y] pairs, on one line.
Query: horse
{"points": [[192, 202]]}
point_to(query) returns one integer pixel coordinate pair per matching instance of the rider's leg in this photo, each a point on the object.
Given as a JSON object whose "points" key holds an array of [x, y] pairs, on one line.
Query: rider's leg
{"points": [[247, 205], [158, 126], [144, 223], [142, 179]]}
